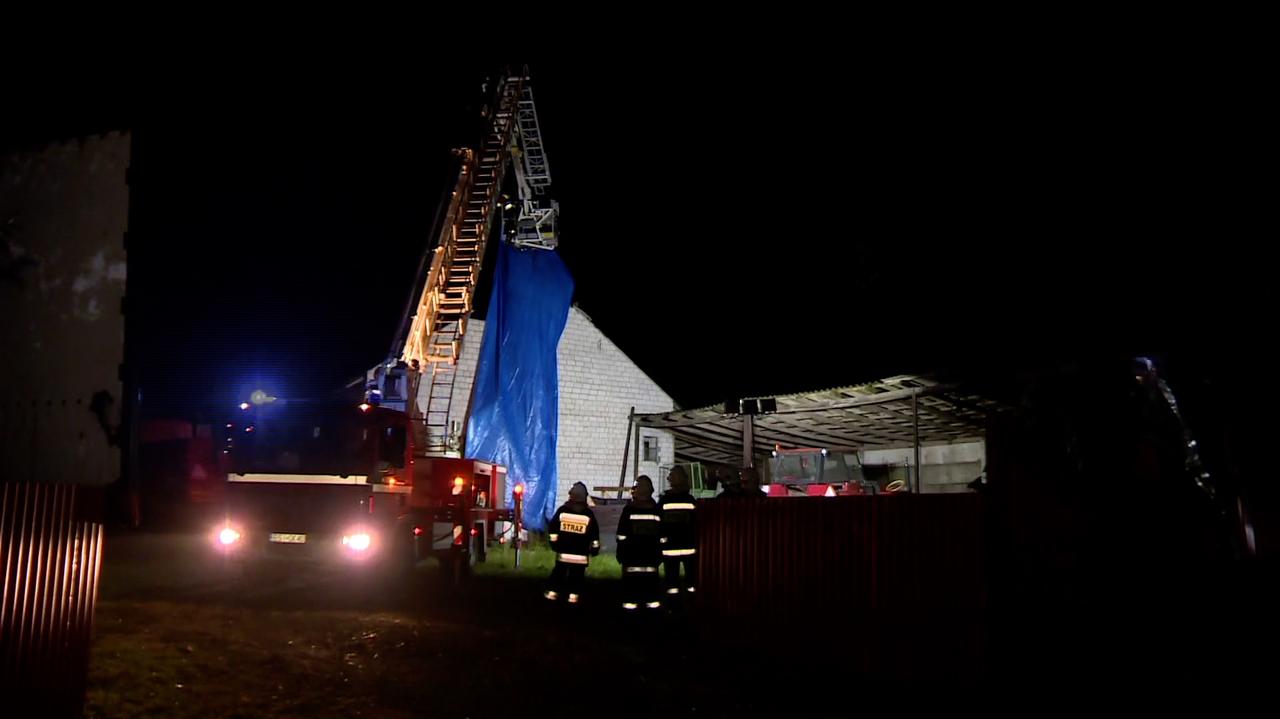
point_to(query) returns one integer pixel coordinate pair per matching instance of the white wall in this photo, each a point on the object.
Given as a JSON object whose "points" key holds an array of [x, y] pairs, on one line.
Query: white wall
{"points": [[946, 467], [598, 387], [62, 328]]}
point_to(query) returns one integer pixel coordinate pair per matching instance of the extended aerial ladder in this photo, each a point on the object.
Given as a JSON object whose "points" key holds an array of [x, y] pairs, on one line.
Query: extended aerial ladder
{"points": [[429, 342]]}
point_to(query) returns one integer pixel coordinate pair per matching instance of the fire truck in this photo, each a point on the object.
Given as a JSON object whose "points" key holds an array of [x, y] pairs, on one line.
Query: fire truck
{"points": [[503, 184], [380, 478]]}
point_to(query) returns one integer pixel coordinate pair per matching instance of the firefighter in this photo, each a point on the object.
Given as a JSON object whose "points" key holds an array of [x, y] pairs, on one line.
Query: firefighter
{"points": [[679, 533], [639, 548], [575, 538], [745, 486]]}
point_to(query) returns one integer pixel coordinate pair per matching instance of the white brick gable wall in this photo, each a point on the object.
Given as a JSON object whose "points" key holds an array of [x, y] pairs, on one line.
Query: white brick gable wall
{"points": [[598, 387]]}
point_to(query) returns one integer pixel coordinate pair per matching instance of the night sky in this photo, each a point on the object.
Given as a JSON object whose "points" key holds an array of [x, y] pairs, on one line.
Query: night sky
{"points": [[737, 228]]}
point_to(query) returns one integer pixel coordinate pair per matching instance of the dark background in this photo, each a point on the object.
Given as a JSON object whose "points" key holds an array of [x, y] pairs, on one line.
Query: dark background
{"points": [[739, 223]]}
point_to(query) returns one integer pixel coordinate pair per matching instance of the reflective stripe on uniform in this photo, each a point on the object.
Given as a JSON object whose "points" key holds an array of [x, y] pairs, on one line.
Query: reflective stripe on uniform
{"points": [[676, 505], [673, 590], [621, 537], [678, 552], [574, 523], [572, 558], [641, 569], [630, 605], [663, 540], [573, 599], [654, 605], [645, 517]]}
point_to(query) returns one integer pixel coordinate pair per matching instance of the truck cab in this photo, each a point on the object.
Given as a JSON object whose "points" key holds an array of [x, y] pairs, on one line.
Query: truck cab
{"points": [[323, 481]]}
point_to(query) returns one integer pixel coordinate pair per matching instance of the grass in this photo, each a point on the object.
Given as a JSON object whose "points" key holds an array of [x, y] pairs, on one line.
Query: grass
{"points": [[157, 659], [503, 653], [537, 560]]}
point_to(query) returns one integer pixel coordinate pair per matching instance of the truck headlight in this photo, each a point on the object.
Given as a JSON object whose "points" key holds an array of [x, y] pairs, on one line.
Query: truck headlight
{"points": [[358, 541]]}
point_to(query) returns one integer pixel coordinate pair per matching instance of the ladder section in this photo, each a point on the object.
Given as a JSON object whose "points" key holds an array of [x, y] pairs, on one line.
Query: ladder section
{"points": [[439, 325], [534, 157]]}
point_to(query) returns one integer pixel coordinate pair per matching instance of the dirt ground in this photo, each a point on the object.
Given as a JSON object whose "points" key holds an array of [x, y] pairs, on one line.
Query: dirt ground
{"points": [[179, 633]]}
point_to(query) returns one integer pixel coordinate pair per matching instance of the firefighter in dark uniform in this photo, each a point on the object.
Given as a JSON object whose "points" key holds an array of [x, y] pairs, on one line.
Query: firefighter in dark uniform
{"points": [[745, 486], [679, 533], [639, 547], [575, 538]]}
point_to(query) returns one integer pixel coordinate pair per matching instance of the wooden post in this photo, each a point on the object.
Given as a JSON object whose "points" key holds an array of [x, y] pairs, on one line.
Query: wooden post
{"points": [[915, 428], [635, 462], [626, 447]]}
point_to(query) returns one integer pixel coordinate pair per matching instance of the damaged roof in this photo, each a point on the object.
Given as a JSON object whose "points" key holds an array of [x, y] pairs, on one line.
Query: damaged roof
{"points": [[875, 415]]}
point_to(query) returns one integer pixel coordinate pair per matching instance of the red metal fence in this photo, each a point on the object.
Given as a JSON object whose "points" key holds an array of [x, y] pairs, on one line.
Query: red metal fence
{"points": [[886, 581], [50, 555]]}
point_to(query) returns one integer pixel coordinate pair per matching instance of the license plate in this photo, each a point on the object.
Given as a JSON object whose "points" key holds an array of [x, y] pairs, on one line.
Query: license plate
{"points": [[282, 538]]}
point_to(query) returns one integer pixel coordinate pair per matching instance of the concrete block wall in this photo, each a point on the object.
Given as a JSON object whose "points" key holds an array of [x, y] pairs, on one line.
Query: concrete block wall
{"points": [[946, 467], [599, 385]]}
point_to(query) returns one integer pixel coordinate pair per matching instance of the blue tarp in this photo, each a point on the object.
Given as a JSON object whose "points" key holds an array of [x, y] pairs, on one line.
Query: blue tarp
{"points": [[515, 405]]}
